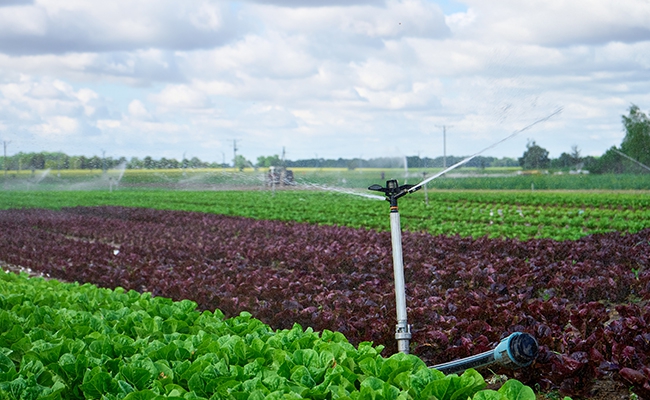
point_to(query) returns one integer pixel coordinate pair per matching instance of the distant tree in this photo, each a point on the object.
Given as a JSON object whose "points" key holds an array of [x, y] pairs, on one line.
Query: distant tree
{"points": [[135, 163], [164, 163], [95, 162], [37, 161], [173, 163], [636, 142], [576, 158], [195, 162], [353, 164], [121, 160], [241, 162], [609, 163], [563, 161], [636, 145], [589, 162], [269, 161], [568, 160], [83, 162], [535, 157], [148, 162]]}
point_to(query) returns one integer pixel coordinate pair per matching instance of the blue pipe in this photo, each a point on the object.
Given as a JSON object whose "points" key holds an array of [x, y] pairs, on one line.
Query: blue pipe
{"points": [[516, 351]]}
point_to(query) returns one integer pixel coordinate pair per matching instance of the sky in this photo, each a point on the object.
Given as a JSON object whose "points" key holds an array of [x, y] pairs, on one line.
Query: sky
{"points": [[319, 79]]}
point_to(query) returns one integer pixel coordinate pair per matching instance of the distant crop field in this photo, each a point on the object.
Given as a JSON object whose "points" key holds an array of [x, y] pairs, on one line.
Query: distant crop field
{"points": [[559, 215], [498, 178]]}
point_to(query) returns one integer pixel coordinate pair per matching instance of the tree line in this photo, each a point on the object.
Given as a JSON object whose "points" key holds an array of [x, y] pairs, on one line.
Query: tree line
{"points": [[633, 156]]}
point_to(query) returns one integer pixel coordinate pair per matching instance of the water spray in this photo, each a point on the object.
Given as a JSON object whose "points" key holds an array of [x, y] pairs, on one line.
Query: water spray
{"points": [[517, 350], [633, 160], [468, 159]]}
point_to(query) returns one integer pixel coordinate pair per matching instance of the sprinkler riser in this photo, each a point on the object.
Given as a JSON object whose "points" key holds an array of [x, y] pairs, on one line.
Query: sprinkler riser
{"points": [[402, 329]]}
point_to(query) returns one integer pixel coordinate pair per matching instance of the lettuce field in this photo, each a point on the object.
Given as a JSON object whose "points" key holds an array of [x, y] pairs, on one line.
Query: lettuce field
{"points": [[497, 214], [76, 342], [571, 269]]}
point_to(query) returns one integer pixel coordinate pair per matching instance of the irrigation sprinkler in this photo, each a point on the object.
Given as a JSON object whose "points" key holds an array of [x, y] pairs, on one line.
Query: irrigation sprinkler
{"points": [[393, 192], [517, 350]]}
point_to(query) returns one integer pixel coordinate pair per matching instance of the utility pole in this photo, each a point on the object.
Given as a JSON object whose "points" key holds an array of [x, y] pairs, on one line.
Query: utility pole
{"points": [[234, 149], [444, 143]]}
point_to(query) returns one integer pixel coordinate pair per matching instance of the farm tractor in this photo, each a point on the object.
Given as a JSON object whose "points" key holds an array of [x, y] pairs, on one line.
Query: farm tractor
{"points": [[280, 175]]}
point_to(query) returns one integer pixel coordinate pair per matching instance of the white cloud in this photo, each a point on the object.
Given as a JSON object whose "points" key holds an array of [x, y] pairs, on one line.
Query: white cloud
{"points": [[28, 21], [558, 22], [273, 56], [57, 127], [180, 97], [138, 110], [55, 26], [335, 78]]}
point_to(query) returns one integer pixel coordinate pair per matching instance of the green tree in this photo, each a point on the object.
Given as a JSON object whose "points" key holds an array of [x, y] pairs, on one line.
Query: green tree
{"points": [[636, 143], [241, 162], [270, 161], [535, 157], [576, 157], [148, 163], [195, 162], [609, 163], [135, 163], [564, 161]]}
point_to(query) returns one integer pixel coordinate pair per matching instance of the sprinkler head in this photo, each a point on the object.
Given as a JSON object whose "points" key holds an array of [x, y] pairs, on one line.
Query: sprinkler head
{"points": [[393, 190]]}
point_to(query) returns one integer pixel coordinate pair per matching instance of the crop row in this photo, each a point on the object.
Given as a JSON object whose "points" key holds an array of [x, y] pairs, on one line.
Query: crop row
{"points": [[584, 300], [65, 341], [522, 215]]}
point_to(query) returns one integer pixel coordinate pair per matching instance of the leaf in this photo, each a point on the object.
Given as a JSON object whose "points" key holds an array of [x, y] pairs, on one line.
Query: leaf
{"points": [[141, 395], [301, 376], [97, 383], [512, 389], [489, 394], [137, 377]]}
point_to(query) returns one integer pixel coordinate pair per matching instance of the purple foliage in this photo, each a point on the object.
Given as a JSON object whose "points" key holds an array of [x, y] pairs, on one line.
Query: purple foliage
{"points": [[584, 300]]}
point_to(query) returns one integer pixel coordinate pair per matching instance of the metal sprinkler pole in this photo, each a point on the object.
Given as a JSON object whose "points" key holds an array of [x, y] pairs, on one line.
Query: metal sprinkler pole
{"points": [[402, 330]]}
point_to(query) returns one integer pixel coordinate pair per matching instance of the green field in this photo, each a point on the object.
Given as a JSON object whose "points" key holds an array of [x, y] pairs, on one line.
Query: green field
{"points": [[333, 197], [361, 178], [559, 215]]}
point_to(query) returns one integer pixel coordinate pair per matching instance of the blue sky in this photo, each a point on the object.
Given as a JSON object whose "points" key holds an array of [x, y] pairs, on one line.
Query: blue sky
{"points": [[330, 78]]}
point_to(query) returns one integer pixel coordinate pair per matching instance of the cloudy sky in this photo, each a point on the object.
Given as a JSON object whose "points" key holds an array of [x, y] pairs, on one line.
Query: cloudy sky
{"points": [[326, 79]]}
